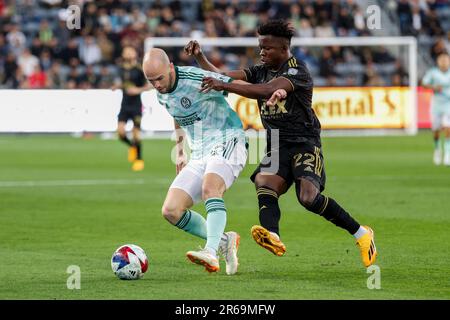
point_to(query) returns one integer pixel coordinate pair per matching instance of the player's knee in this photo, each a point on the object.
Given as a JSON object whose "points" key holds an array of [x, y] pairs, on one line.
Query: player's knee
{"points": [[209, 191], [307, 198], [171, 212], [121, 134]]}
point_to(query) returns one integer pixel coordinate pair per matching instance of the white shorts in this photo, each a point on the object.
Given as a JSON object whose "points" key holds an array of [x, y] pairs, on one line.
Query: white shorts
{"points": [[227, 166], [440, 119]]}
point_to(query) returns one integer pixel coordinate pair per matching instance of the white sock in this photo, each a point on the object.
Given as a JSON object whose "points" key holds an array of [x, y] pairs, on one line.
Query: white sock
{"points": [[361, 231], [275, 235]]}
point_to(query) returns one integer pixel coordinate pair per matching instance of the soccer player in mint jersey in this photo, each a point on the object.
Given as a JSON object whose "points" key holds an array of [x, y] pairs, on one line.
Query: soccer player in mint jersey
{"points": [[438, 79], [218, 154], [283, 87]]}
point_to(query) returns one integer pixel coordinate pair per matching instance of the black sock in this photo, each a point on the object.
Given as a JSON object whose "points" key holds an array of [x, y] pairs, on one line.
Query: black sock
{"points": [[333, 212], [269, 211], [138, 146], [125, 140]]}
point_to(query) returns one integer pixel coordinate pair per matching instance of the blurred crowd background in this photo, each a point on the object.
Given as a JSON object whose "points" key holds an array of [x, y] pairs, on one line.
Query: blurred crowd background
{"points": [[37, 50]]}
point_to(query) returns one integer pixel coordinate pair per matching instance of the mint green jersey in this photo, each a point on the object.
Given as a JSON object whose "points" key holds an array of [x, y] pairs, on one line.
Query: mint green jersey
{"points": [[207, 118], [436, 77]]}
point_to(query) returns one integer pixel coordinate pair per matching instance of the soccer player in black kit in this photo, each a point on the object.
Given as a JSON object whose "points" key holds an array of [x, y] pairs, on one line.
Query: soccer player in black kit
{"points": [[133, 83], [283, 87]]}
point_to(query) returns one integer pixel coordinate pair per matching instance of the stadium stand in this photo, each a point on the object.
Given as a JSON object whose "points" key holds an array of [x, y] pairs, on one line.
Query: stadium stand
{"points": [[37, 50]]}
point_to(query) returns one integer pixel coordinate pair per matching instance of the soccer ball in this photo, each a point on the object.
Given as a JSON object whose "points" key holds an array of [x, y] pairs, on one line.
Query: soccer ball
{"points": [[129, 262]]}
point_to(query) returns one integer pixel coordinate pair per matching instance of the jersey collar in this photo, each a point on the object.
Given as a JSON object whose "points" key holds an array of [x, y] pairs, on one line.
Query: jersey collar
{"points": [[176, 81]]}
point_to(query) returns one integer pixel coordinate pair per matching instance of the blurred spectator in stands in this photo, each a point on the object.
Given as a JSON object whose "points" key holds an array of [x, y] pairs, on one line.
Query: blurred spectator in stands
{"points": [[295, 16], [359, 21], [9, 69], [36, 47], [417, 18], [371, 76], [247, 21], [433, 24], [88, 79], [89, 51], [89, 21], [324, 29], [305, 30], [119, 19], [283, 9], [327, 64], [167, 16], [308, 13], [71, 52], [45, 60], [73, 79], [381, 55], [3, 46], [345, 22], [153, 19], [404, 16], [400, 76], [105, 45], [55, 78], [45, 32], [106, 78], [37, 79], [437, 48], [27, 62], [16, 40], [322, 9], [62, 33]]}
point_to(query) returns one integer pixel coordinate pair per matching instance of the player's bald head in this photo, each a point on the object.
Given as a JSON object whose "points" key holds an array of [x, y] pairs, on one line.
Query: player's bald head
{"points": [[155, 61], [158, 70]]}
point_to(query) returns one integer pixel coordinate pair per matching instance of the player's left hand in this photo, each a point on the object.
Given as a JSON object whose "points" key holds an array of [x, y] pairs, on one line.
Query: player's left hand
{"points": [[209, 83]]}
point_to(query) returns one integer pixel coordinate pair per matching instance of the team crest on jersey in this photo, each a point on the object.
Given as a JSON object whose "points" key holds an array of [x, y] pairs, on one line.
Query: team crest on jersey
{"points": [[185, 102], [292, 71]]}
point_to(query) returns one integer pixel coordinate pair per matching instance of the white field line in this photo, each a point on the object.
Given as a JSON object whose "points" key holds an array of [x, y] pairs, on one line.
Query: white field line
{"points": [[72, 183], [64, 183]]}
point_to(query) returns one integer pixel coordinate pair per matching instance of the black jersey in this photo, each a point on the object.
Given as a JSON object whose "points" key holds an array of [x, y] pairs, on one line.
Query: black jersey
{"points": [[131, 76], [293, 117]]}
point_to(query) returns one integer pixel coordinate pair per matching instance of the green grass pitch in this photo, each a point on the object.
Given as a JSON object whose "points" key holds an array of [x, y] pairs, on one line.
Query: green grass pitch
{"points": [[67, 201]]}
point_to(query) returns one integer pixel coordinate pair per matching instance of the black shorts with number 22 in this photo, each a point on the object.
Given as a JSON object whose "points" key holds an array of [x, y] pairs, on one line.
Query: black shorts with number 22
{"points": [[293, 161]]}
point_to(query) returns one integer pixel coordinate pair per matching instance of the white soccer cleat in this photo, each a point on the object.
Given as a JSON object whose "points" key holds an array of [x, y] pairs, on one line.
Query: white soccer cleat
{"points": [[228, 248], [205, 258], [437, 157], [447, 159]]}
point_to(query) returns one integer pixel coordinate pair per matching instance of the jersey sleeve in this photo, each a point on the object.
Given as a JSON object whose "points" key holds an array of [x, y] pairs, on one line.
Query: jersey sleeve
{"points": [[215, 75], [428, 78], [299, 77], [251, 73]]}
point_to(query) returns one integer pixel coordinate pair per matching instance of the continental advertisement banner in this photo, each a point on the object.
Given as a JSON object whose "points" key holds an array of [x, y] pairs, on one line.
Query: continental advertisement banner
{"points": [[345, 108]]}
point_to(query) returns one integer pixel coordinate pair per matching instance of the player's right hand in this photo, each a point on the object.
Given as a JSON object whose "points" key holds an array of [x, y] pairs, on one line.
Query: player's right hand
{"points": [[277, 96], [181, 162], [193, 48]]}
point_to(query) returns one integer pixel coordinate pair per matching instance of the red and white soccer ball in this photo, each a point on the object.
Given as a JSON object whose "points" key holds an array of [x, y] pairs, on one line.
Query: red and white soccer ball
{"points": [[129, 262]]}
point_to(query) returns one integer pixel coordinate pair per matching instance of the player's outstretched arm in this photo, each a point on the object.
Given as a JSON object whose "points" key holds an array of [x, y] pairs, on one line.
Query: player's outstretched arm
{"points": [[193, 49], [252, 91]]}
